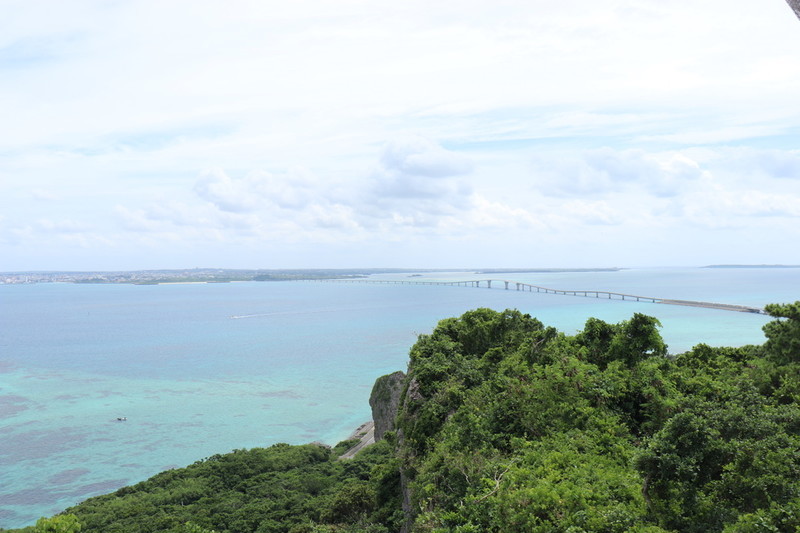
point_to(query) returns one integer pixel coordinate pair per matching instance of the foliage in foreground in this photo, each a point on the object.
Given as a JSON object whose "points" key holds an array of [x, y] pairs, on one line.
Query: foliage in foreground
{"points": [[508, 425], [283, 488], [511, 426]]}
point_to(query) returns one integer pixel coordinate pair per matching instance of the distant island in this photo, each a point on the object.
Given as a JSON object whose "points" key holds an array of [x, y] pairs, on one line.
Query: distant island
{"points": [[194, 275], [544, 270], [752, 266], [228, 275], [225, 275]]}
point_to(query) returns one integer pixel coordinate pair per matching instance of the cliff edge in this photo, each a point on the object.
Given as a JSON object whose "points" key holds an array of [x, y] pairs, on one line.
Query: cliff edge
{"points": [[385, 401]]}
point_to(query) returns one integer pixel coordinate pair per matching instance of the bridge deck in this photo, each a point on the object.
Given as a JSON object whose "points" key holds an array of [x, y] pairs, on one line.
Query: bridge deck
{"points": [[506, 284]]}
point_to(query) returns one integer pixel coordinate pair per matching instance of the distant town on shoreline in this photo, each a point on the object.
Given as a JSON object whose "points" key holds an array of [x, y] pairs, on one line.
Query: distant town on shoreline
{"points": [[226, 275]]}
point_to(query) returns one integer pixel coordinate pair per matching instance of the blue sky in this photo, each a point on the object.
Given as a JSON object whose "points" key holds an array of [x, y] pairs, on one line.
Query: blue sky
{"points": [[149, 134]]}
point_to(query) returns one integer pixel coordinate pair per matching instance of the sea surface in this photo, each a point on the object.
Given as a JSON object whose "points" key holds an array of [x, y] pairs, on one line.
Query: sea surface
{"points": [[201, 369]]}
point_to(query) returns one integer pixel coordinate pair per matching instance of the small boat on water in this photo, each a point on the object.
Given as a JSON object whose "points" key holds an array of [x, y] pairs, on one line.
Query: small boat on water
{"points": [[122, 419]]}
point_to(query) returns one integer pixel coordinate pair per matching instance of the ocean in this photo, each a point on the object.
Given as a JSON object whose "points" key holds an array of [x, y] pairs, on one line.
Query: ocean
{"points": [[200, 369]]}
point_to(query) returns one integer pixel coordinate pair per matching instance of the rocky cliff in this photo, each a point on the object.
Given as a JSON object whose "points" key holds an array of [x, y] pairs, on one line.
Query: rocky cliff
{"points": [[384, 401], [795, 5]]}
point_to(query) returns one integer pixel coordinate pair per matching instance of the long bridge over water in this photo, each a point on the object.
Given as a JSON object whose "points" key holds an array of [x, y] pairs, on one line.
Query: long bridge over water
{"points": [[527, 287]]}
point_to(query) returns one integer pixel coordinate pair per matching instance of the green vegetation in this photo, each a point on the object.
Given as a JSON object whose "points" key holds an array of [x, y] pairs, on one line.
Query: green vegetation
{"points": [[282, 488], [512, 426], [508, 425], [64, 523]]}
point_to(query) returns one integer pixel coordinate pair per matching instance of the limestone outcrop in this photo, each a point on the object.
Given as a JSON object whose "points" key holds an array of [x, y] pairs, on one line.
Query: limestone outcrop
{"points": [[384, 401], [795, 5]]}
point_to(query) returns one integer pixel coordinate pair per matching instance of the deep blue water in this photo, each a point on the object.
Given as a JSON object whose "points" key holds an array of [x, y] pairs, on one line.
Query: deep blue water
{"points": [[200, 369]]}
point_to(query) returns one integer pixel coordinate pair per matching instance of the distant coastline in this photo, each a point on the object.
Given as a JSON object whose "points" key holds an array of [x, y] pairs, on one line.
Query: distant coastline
{"points": [[544, 270], [182, 276], [225, 275], [751, 266]]}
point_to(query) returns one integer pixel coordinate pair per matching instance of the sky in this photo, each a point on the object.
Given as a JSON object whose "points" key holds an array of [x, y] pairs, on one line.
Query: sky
{"points": [[146, 134]]}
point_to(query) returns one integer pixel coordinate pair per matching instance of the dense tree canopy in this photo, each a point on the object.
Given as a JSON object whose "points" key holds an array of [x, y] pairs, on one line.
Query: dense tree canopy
{"points": [[511, 426]]}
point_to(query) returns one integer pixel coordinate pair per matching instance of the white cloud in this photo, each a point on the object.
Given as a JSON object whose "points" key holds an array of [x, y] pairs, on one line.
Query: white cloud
{"points": [[593, 213], [259, 123], [416, 184], [178, 214], [717, 207], [417, 156], [673, 174], [62, 226], [495, 215], [41, 194], [606, 171], [259, 190], [760, 163], [419, 175], [136, 219], [337, 217], [232, 194]]}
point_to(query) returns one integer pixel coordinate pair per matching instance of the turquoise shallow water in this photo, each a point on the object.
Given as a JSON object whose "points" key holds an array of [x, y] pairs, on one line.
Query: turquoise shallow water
{"points": [[200, 369]]}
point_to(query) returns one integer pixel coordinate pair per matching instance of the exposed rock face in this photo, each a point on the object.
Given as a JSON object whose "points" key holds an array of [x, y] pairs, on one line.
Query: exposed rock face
{"points": [[408, 512], [384, 401], [411, 396], [795, 5]]}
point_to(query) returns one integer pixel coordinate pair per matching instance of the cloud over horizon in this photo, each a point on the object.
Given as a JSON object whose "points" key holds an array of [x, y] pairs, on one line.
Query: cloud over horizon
{"points": [[145, 134]]}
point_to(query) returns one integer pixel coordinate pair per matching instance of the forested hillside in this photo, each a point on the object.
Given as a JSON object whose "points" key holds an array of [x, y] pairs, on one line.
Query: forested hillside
{"points": [[507, 425]]}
